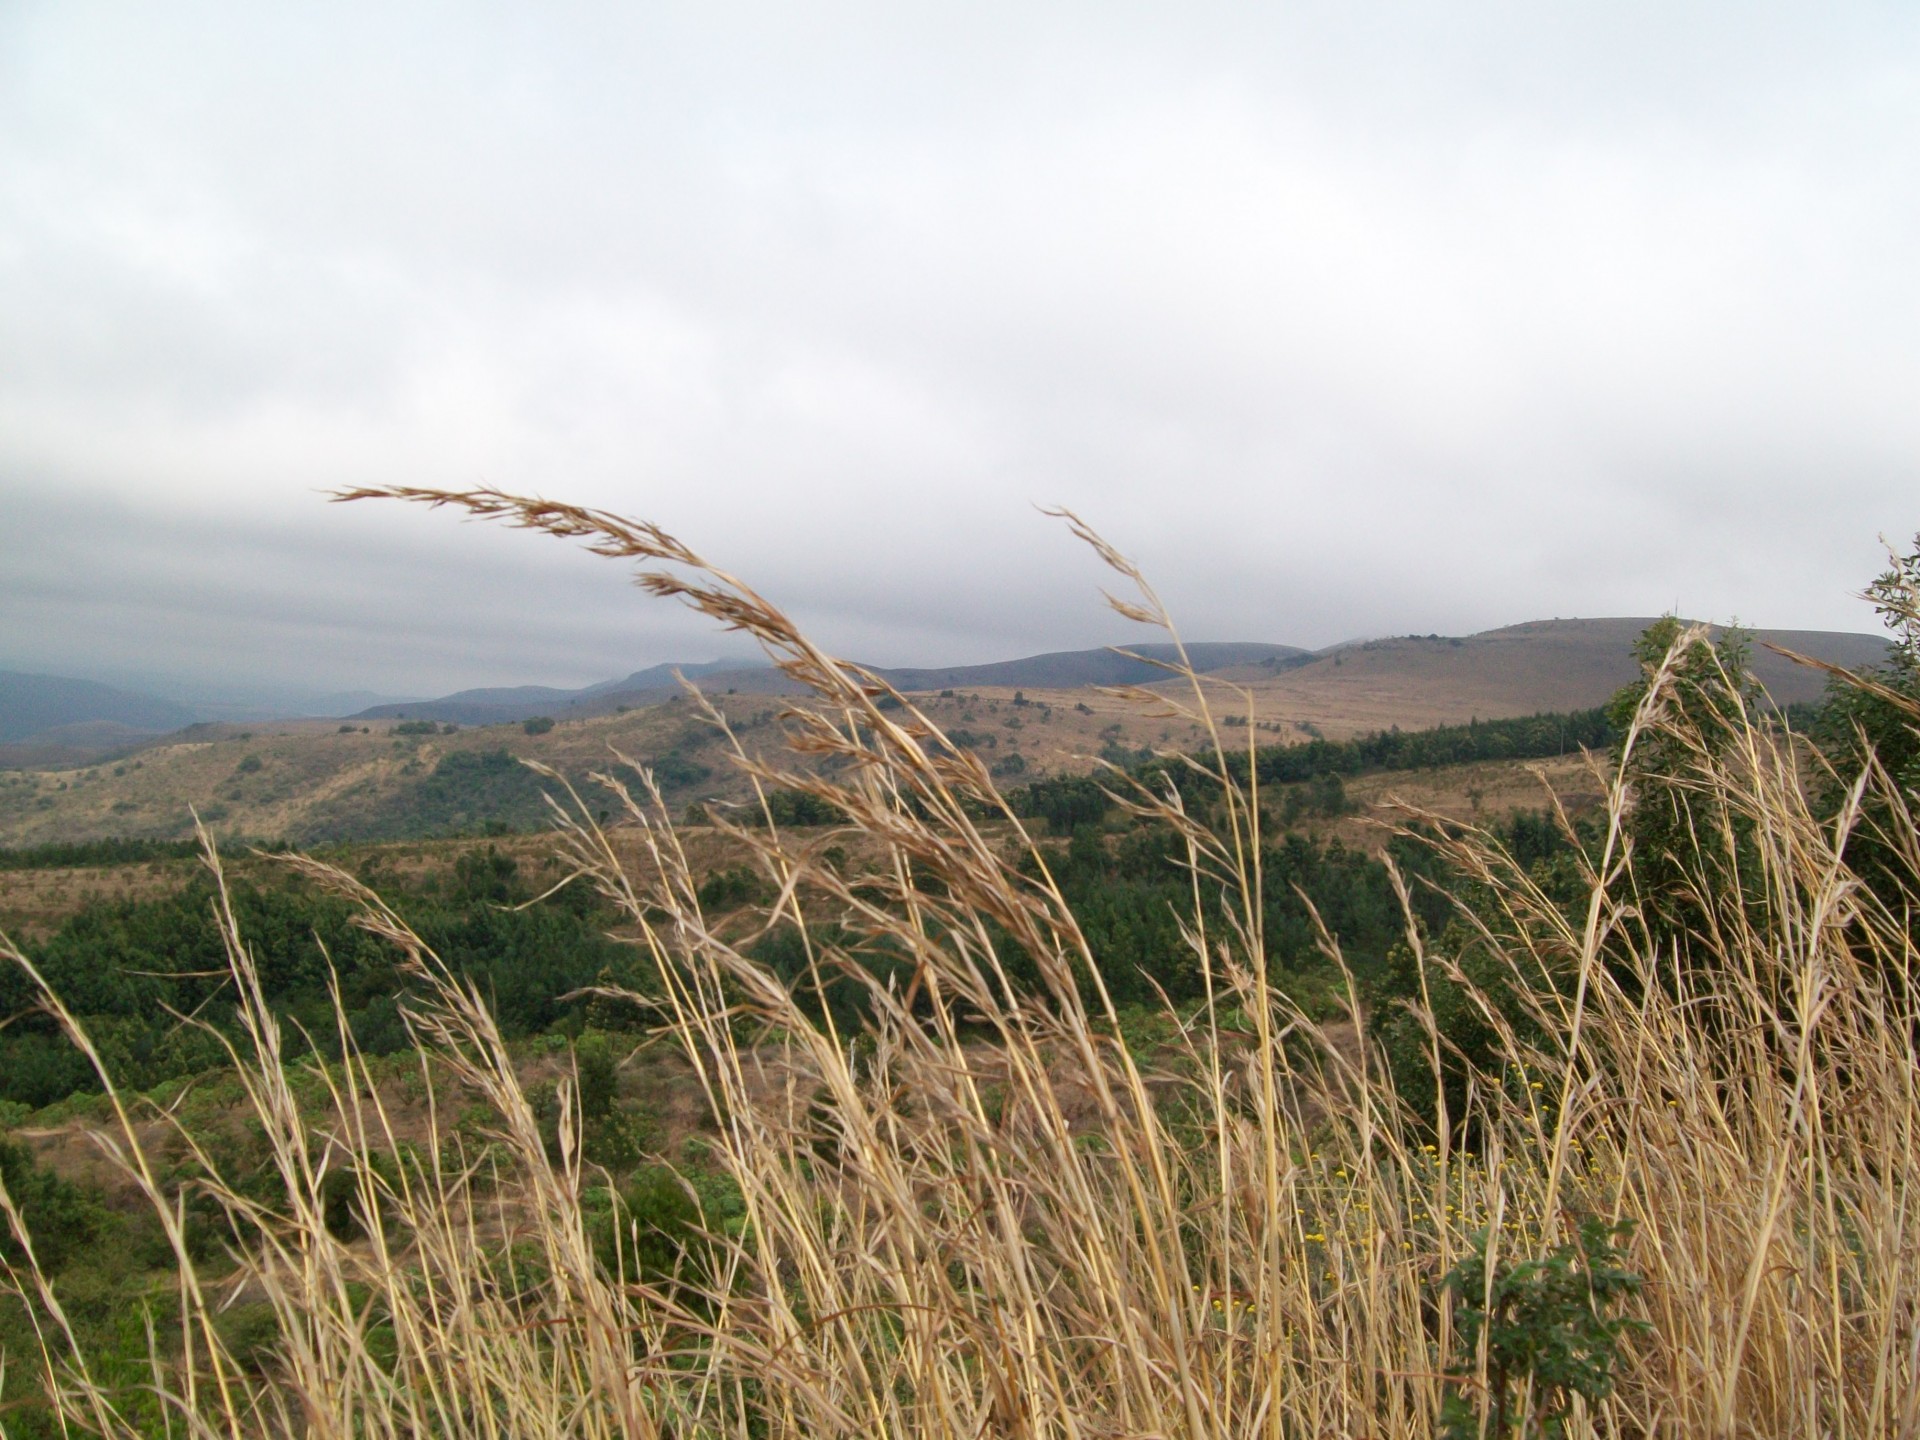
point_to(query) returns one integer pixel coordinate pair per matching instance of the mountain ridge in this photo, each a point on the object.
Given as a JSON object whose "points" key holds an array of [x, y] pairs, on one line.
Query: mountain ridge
{"points": [[1053, 669], [33, 704], [1534, 664], [315, 781]]}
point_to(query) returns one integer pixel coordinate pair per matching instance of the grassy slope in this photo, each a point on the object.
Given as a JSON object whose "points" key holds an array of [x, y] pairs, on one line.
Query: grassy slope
{"points": [[1416, 682], [33, 902], [315, 784]]}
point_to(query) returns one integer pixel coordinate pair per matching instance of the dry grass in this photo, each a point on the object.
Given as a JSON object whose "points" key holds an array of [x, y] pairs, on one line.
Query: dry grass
{"points": [[314, 780], [985, 1216]]}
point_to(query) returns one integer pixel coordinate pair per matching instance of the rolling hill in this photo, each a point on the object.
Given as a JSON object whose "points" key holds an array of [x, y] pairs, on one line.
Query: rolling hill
{"points": [[1414, 681], [507, 705], [1067, 669], [317, 781], [1058, 670]]}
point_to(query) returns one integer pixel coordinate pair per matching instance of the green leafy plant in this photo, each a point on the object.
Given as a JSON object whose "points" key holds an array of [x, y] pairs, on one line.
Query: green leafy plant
{"points": [[1532, 1334]]}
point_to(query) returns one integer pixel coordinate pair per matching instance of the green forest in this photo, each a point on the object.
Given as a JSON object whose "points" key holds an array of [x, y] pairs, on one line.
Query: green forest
{"points": [[135, 970]]}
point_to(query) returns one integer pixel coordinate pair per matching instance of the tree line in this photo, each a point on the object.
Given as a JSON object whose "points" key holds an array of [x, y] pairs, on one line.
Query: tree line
{"points": [[132, 969]]}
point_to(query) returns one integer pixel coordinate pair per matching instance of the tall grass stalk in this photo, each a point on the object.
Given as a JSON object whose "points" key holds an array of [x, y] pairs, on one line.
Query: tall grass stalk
{"points": [[987, 1214]]}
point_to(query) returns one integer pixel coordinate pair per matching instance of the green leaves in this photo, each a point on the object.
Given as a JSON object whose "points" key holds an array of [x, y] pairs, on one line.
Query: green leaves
{"points": [[1532, 1334]]}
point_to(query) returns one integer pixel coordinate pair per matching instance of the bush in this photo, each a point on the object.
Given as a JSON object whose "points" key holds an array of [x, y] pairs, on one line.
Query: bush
{"points": [[675, 772], [1536, 1332], [651, 1231], [62, 1220], [790, 808], [1065, 802], [730, 887], [1875, 724]]}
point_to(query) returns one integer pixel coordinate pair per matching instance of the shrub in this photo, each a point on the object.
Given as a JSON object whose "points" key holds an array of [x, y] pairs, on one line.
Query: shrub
{"points": [[730, 887], [1874, 724], [1533, 1333], [62, 1219], [791, 806], [675, 772]]}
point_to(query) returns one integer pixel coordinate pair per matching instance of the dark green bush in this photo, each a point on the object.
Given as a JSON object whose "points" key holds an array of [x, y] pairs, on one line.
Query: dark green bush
{"points": [[1547, 1329], [61, 1218]]}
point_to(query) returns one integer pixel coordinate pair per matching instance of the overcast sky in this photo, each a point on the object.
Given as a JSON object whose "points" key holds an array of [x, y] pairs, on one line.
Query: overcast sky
{"points": [[1344, 319]]}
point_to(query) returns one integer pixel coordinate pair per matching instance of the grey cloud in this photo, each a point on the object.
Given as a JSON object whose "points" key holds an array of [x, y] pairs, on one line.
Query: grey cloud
{"points": [[1342, 319]]}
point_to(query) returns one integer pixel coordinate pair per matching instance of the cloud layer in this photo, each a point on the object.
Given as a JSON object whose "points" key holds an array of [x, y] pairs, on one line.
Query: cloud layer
{"points": [[1343, 320]]}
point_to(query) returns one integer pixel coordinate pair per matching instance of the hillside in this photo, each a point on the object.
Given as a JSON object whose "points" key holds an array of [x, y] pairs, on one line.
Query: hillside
{"points": [[321, 781], [1417, 681], [1057, 670], [1068, 669], [318, 781]]}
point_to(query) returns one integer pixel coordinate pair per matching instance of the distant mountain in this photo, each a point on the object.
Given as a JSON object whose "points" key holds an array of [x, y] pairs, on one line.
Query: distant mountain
{"points": [[239, 696], [1517, 670], [32, 705], [275, 702], [663, 677], [506, 705], [496, 706], [1060, 670], [756, 680], [1067, 669]]}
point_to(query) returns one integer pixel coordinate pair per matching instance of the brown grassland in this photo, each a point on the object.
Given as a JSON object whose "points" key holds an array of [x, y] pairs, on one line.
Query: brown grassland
{"points": [[1416, 682], [303, 777], [316, 781], [991, 1215]]}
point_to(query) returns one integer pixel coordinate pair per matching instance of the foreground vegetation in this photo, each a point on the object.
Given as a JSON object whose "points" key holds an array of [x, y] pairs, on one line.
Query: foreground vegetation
{"points": [[1617, 1137]]}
